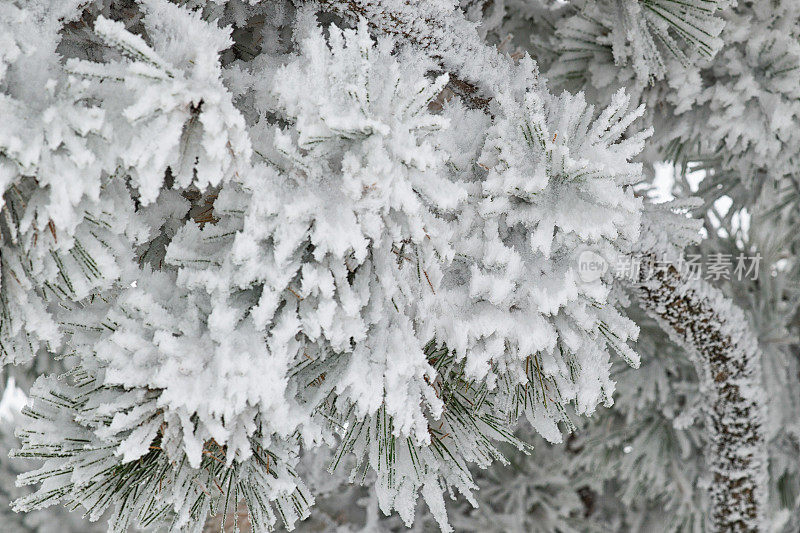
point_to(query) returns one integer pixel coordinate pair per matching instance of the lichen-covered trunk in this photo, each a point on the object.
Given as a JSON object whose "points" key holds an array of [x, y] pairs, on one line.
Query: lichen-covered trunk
{"points": [[716, 335]]}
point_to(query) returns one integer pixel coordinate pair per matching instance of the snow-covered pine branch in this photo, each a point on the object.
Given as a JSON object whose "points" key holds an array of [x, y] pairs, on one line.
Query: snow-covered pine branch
{"points": [[239, 240], [717, 342], [477, 71]]}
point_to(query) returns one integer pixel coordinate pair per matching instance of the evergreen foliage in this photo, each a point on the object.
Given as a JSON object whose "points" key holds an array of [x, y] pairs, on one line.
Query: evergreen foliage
{"points": [[257, 255]]}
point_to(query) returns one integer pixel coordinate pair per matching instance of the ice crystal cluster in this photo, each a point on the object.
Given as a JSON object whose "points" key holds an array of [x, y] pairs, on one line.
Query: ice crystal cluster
{"points": [[254, 254]]}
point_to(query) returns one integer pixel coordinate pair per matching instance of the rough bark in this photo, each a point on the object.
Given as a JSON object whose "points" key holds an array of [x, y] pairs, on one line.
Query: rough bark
{"points": [[725, 352]]}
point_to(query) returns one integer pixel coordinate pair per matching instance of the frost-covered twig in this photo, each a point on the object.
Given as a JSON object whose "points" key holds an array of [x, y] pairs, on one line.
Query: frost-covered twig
{"points": [[477, 70], [716, 335]]}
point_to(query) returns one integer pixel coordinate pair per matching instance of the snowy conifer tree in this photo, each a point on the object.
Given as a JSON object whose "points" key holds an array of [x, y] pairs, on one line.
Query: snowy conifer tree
{"points": [[322, 265]]}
